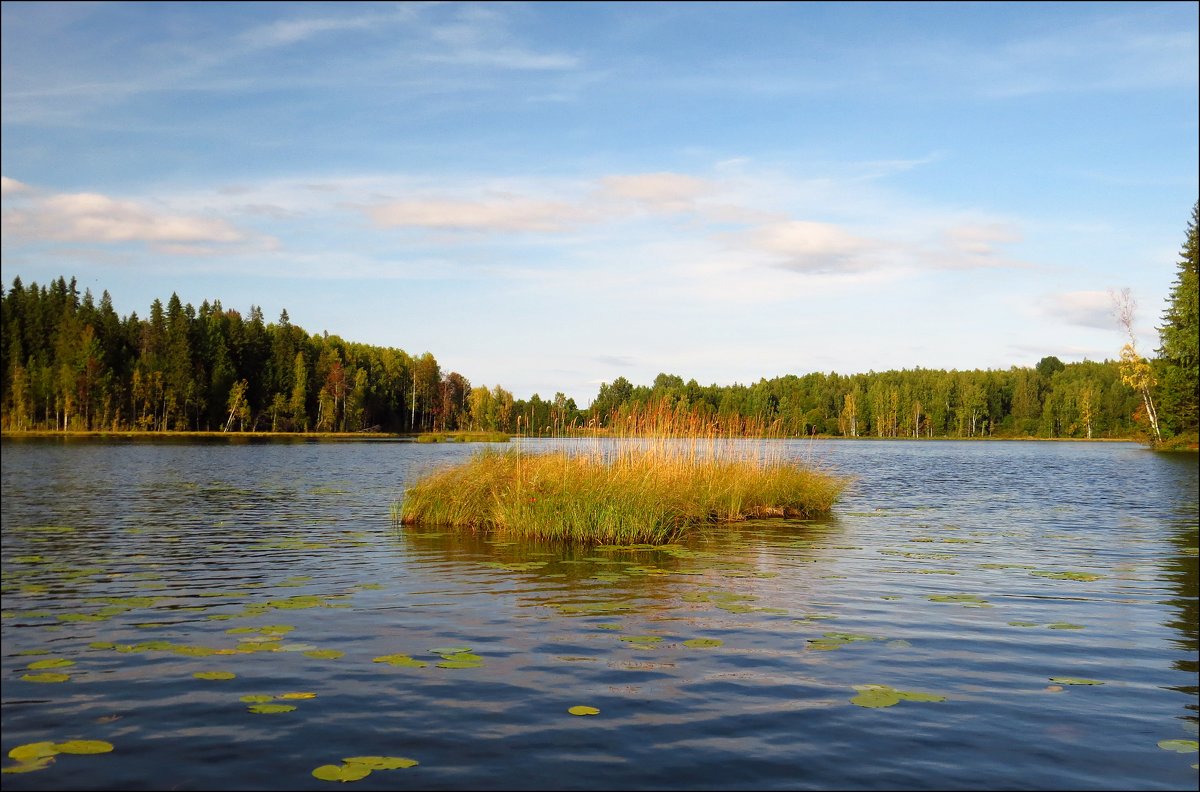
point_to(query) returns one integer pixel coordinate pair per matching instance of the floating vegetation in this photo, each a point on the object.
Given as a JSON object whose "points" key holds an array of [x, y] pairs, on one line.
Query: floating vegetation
{"points": [[877, 696], [215, 675], [1179, 746], [642, 640], [1064, 626], [46, 677], [271, 709], [39, 755], [581, 709], [836, 640], [703, 643], [325, 654], [402, 660], [1074, 681], [1086, 576], [966, 600], [457, 657], [1023, 624], [356, 768], [57, 662]]}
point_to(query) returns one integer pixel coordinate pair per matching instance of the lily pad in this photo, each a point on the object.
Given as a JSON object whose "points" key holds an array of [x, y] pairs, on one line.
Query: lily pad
{"points": [[1074, 681], [32, 751], [382, 762], [341, 773], [703, 643], [57, 662], [400, 660], [876, 696], [646, 640], [1178, 746], [29, 767], [215, 675], [583, 710], [325, 654], [299, 695], [48, 676], [83, 747], [1066, 575], [256, 698], [1064, 626], [966, 600], [271, 709]]}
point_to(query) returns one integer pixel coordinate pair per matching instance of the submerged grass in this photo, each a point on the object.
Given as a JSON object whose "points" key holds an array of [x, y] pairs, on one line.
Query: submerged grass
{"points": [[668, 472]]}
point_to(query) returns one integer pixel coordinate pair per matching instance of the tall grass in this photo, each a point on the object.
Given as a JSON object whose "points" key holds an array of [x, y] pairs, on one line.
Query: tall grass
{"points": [[665, 470]]}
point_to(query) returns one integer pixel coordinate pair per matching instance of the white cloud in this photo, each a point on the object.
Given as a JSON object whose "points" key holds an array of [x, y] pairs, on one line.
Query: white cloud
{"points": [[96, 218], [1084, 308], [12, 186], [810, 247], [502, 213], [665, 192]]}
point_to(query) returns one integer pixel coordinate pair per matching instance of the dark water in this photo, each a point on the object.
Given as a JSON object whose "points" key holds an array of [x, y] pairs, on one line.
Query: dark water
{"points": [[154, 552]]}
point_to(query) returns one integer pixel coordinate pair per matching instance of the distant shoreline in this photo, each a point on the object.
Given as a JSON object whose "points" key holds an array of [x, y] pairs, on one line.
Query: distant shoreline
{"points": [[413, 436]]}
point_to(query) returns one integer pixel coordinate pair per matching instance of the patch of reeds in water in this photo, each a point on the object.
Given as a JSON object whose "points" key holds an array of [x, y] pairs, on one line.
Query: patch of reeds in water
{"points": [[463, 437], [663, 471]]}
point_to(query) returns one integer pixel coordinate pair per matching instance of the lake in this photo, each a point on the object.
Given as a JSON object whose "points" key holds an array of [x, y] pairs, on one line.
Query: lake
{"points": [[989, 615]]}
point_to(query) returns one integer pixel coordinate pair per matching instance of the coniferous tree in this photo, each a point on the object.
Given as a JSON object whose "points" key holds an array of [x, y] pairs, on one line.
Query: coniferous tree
{"points": [[1179, 360]]}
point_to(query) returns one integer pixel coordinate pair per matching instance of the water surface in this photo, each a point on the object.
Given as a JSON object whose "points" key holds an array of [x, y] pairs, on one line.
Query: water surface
{"points": [[984, 573]]}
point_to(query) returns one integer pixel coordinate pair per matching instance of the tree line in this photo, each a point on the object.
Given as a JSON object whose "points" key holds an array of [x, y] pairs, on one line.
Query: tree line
{"points": [[71, 363]]}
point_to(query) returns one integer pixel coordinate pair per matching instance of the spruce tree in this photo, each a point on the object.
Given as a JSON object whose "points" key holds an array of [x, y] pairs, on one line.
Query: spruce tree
{"points": [[1180, 336]]}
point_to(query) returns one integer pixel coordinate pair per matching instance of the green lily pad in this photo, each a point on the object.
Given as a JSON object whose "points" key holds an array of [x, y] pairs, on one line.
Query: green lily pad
{"points": [[297, 695], [647, 640], [341, 773], [271, 709], [1064, 626], [1074, 681], [32, 751], [703, 643], [215, 675], [912, 695], [876, 696], [1023, 624], [382, 762], [57, 662], [966, 600], [256, 698], [29, 767], [1178, 746], [325, 654], [46, 677], [400, 660], [583, 710], [450, 650], [1066, 575], [83, 747]]}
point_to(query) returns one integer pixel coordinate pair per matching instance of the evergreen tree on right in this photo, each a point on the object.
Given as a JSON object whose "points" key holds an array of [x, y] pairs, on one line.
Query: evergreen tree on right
{"points": [[1179, 361]]}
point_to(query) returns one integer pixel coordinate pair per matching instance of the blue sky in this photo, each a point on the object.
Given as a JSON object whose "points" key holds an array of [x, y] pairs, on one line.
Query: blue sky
{"points": [[548, 196]]}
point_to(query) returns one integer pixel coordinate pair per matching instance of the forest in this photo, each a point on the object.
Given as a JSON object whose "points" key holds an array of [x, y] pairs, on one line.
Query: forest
{"points": [[70, 363]]}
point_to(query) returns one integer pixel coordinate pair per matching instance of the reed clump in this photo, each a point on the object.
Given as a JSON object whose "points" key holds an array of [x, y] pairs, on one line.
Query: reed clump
{"points": [[662, 471]]}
